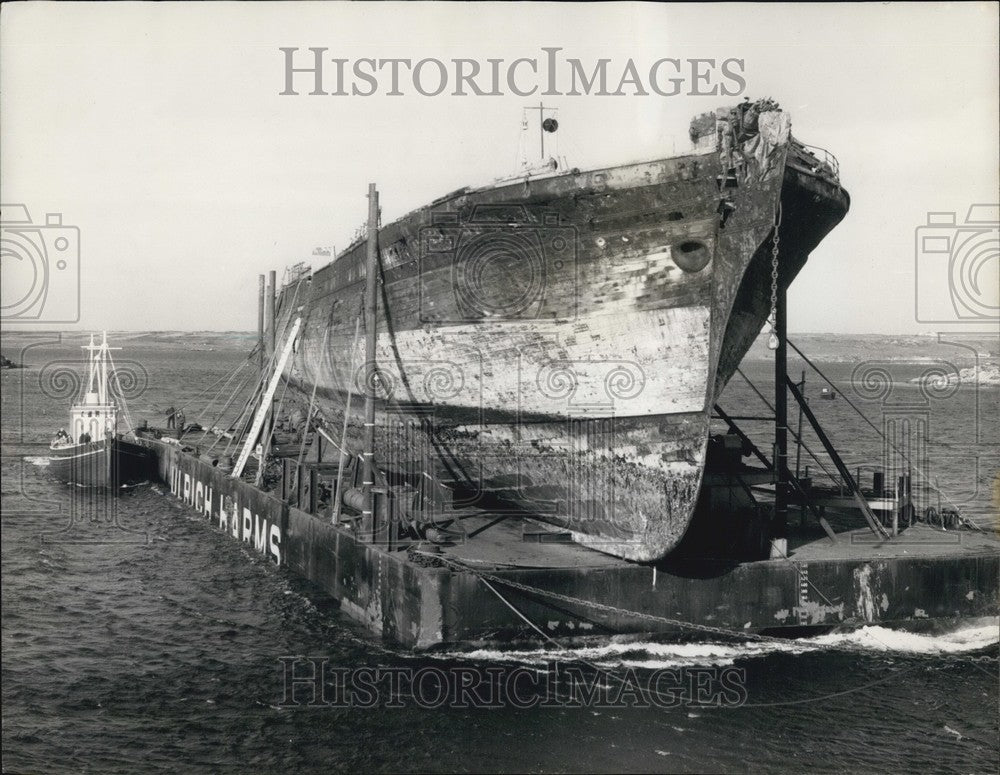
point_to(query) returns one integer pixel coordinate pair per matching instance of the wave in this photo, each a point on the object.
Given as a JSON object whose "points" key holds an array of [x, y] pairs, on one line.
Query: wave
{"points": [[973, 637], [655, 656]]}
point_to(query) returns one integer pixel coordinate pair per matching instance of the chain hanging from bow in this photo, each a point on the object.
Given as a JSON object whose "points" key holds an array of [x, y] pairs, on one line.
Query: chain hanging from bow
{"points": [[772, 340]]}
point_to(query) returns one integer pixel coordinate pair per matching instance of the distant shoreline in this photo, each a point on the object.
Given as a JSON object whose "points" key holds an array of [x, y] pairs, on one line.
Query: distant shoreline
{"points": [[960, 349]]}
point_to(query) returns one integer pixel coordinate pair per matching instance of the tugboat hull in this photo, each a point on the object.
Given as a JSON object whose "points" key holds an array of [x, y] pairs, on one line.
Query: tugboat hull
{"points": [[101, 464]]}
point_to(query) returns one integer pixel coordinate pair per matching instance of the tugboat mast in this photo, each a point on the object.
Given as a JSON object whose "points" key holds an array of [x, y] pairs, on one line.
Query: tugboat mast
{"points": [[97, 376], [94, 413]]}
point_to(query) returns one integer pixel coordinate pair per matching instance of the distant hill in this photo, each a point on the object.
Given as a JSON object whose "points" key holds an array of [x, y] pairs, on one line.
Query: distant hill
{"points": [[829, 348], [195, 340]]}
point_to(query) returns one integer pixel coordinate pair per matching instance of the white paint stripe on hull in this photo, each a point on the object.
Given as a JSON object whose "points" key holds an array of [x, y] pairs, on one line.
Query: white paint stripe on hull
{"points": [[639, 364]]}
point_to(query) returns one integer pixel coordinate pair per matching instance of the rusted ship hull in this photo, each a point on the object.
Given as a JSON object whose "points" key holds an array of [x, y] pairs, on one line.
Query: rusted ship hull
{"points": [[558, 343]]}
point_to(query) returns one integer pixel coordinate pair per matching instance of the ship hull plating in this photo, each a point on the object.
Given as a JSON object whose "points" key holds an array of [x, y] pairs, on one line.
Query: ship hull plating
{"points": [[101, 464], [558, 344]]}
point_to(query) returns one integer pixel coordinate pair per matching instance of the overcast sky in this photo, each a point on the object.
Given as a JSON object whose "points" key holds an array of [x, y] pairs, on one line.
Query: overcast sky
{"points": [[160, 131]]}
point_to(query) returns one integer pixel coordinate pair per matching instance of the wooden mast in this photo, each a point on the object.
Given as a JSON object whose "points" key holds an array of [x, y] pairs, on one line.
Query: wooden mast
{"points": [[260, 326], [371, 373], [270, 321]]}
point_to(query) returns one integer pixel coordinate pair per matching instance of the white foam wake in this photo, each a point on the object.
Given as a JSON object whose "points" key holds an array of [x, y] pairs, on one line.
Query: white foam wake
{"points": [[654, 656], [643, 654], [38, 461], [875, 638]]}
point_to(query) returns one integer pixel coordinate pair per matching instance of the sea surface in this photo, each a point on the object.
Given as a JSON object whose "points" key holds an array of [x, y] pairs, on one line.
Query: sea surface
{"points": [[138, 639]]}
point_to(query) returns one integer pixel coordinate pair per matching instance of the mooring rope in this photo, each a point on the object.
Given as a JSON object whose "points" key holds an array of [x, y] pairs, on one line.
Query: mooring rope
{"points": [[262, 379], [121, 393], [219, 393], [309, 411], [563, 649], [225, 377], [679, 623], [267, 434], [221, 416], [606, 608]]}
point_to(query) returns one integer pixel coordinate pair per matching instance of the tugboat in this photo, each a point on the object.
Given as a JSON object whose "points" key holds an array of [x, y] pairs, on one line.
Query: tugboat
{"points": [[93, 454]]}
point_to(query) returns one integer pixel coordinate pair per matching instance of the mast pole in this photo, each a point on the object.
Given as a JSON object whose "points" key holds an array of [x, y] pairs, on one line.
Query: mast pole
{"points": [[371, 374], [260, 325], [270, 340], [541, 130], [798, 434], [102, 365], [91, 376], [271, 301], [109, 451]]}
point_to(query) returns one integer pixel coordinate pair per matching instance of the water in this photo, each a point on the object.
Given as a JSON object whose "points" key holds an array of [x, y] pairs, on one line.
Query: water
{"points": [[948, 435], [132, 655]]}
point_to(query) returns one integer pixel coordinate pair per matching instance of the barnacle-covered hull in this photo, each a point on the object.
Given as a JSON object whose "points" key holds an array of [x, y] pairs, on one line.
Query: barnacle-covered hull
{"points": [[557, 344]]}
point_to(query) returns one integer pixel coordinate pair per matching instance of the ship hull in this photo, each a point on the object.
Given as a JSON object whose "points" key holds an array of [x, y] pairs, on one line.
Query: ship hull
{"points": [[101, 464], [558, 344]]}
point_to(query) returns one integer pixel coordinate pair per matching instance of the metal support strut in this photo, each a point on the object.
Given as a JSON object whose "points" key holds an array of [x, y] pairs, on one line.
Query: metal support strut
{"points": [[842, 469]]}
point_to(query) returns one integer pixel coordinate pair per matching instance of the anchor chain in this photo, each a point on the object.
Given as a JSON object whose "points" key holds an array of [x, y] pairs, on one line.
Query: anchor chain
{"points": [[772, 340]]}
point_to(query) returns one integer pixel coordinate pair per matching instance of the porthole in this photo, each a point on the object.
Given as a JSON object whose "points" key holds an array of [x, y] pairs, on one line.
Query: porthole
{"points": [[691, 255]]}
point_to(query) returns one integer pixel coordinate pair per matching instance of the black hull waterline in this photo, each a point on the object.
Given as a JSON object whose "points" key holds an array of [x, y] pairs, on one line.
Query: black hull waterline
{"points": [[105, 464]]}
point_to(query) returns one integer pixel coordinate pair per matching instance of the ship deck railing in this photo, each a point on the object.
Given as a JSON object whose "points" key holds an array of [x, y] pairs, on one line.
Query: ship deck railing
{"points": [[822, 156]]}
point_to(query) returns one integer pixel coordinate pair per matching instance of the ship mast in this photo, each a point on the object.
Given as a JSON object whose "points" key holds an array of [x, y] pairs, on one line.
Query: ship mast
{"points": [[95, 413], [544, 125], [96, 390], [371, 370]]}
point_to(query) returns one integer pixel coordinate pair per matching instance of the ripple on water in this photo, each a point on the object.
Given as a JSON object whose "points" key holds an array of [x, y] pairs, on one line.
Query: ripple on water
{"points": [[162, 657]]}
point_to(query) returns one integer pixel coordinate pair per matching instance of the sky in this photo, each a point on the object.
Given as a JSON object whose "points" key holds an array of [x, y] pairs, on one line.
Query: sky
{"points": [[159, 131]]}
